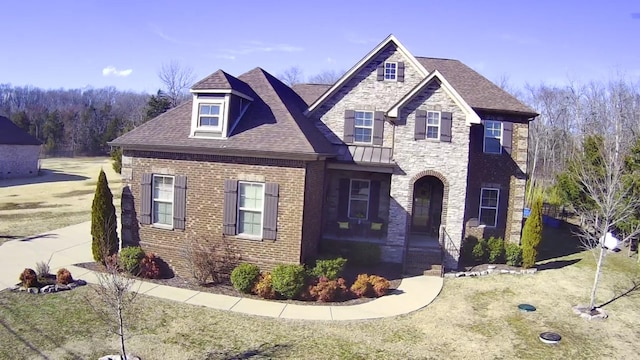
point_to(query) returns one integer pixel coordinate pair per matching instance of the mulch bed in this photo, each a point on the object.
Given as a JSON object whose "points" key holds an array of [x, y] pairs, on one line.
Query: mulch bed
{"points": [[392, 272]]}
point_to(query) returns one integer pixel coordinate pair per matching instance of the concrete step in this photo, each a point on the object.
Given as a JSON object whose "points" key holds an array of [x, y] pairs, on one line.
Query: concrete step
{"points": [[419, 262], [435, 270]]}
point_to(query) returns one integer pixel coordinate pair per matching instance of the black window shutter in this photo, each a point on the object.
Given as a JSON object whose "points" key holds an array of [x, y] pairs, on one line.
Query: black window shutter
{"points": [[420, 131], [445, 126], [349, 126], [343, 199], [380, 70], [378, 127], [477, 137], [230, 207], [179, 202], [145, 198], [374, 200], [400, 73], [270, 226], [507, 136]]}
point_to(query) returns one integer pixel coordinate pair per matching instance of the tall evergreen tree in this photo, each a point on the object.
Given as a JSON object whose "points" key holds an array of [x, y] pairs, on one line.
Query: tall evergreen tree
{"points": [[157, 105], [103, 221], [532, 234]]}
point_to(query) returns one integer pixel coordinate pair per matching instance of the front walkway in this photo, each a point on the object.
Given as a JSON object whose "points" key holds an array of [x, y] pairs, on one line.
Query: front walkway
{"points": [[72, 245]]}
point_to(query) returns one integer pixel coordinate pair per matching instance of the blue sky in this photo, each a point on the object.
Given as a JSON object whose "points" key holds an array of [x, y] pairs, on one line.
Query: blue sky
{"points": [[72, 44]]}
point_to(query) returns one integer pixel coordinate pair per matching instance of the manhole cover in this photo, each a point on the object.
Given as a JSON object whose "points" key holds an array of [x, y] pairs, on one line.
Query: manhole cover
{"points": [[550, 338], [526, 307]]}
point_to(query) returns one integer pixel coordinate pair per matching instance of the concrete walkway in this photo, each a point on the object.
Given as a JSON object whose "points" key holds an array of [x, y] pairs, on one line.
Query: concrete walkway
{"points": [[71, 245]]}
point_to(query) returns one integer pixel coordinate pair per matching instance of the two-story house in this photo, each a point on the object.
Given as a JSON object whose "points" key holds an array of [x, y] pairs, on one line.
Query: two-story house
{"points": [[409, 153]]}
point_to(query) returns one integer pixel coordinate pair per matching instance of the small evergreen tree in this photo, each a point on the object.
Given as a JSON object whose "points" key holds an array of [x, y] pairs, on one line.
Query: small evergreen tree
{"points": [[103, 221], [116, 156], [532, 234]]}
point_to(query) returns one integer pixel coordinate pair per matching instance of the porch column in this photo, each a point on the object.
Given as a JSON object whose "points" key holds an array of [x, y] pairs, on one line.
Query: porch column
{"points": [[393, 250]]}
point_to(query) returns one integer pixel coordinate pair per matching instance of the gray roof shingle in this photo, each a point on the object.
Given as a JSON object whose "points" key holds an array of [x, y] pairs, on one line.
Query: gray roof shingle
{"points": [[310, 92], [274, 123], [220, 80], [11, 134], [475, 89]]}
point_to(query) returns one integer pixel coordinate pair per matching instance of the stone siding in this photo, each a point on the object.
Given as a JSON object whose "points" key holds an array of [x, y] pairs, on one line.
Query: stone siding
{"points": [[205, 201], [18, 161]]}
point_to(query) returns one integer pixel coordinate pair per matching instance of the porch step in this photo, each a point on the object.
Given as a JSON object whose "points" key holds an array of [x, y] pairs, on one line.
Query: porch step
{"points": [[423, 261]]}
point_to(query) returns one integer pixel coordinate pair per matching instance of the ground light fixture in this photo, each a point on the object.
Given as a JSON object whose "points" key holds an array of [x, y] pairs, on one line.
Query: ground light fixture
{"points": [[550, 337]]}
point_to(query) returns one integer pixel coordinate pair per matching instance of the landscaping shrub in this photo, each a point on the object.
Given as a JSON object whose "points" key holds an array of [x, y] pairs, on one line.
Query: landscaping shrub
{"points": [[327, 290], [466, 252], [244, 276], [28, 278], [329, 268], [210, 260], [149, 268], [64, 277], [532, 234], [264, 287], [480, 252], [112, 262], [513, 254], [379, 285], [288, 279], [496, 250], [362, 287], [130, 258], [103, 221], [42, 269]]}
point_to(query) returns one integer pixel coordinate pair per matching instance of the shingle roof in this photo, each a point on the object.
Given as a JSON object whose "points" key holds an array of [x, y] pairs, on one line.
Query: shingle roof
{"points": [[310, 92], [11, 134], [475, 89], [220, 80], [274, 123]]}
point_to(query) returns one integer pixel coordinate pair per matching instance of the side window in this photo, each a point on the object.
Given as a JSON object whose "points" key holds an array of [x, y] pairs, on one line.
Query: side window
{"points": [[492, 137], [250, 209], [489, 199]]}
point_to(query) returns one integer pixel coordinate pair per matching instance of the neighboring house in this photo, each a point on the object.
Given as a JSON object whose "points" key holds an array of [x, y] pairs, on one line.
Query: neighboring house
{"points": [[405, 152], [19, 151]]}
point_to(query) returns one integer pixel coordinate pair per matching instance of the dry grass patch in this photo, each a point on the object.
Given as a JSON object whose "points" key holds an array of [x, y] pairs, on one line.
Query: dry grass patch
{"points": [[60, 197]]}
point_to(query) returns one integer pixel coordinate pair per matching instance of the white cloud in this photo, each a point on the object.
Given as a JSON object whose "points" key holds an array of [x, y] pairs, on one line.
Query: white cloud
{"points": [[250, 47], [331, 60], [112, 71]]}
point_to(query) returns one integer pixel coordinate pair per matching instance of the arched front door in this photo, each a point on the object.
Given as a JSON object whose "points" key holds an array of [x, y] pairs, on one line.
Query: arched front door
{"points": [[426, 215]]}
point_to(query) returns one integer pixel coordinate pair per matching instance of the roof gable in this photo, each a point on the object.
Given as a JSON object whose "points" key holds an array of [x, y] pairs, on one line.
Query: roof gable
{"points": [[361, 64], [471, 116], [11, 134], [221, 81]]}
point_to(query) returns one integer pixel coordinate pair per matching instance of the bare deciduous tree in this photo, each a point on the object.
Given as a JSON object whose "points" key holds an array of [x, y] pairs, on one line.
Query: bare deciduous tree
{"points": [[292, 76], [177, 79], [328, 77]]}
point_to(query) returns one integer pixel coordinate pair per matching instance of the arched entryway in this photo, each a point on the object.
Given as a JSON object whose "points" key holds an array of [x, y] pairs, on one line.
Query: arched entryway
{"points": [[427, 206]]}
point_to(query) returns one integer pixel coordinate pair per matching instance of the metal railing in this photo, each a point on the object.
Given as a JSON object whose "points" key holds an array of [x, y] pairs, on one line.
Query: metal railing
{"points": [[449, 250]]}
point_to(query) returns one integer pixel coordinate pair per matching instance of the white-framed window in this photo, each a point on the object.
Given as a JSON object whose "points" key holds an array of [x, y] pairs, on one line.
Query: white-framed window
{"points": [[492, 137], [489, 198], [210, 115], [250, 208], [391, 71], [363, 127], [359, 199], [162, 200], [433, 125]]}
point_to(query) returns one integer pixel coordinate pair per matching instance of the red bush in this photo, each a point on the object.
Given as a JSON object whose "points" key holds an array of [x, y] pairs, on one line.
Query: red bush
{"points": [[28, 278], [149, 267], [64, 277], [329, 290]]}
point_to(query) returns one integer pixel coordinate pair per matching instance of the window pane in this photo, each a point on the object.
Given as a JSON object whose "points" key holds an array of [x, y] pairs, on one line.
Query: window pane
{"points": [[362, 135], [488, 216], [489, 198], [162, 213], [205, 109], [433, 118], [250, 223], [215, 110], [364, 118], [209, 121], [163, 188], [492, 145], [358, 209], [251, 196], [433, 132]]}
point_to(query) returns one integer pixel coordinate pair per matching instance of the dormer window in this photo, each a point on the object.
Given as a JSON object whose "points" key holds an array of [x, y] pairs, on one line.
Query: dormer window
{"points": [[210, 115], [390, 71]]}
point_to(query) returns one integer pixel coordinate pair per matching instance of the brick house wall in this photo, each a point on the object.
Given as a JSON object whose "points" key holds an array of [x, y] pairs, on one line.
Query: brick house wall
{"points": [[312, 213], [504, 171], [204, 205], [18, 161]]}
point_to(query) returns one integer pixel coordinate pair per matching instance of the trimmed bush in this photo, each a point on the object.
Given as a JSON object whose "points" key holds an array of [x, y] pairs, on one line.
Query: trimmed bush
{"points": [[513, 254], [264, 287], [329, 268], [28, 278], [466, 252], [496, 250], [103, 221], [362, 287], [42, 269], [379, 285], [130, 258], [480, 252], [327, 290], [244, 276], [149, 268], [288, 279], [64, 277], [532, 234]]}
